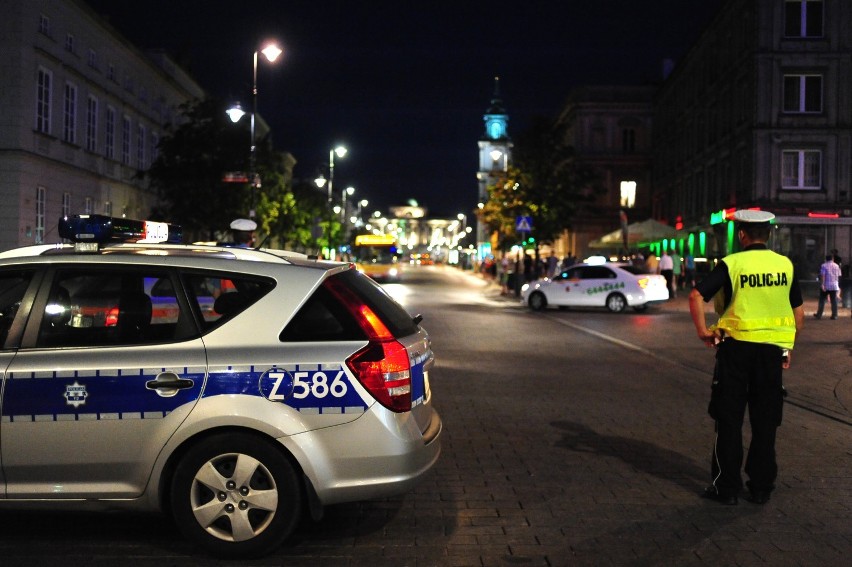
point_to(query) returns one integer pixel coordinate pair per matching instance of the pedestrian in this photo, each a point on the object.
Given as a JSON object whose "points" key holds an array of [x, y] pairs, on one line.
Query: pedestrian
{"points": [[552, 263], [760, 313], [677, 269], [689, 269], [829, 286], [666, 268], [652, 263]]}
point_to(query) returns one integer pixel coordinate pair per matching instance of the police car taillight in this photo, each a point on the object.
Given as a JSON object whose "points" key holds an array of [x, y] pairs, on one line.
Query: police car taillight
{"points": [[383, 366], [99, 229]]}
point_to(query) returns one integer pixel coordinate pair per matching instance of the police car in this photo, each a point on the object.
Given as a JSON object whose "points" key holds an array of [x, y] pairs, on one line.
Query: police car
{"points": [[231, 388], [612, 285]]}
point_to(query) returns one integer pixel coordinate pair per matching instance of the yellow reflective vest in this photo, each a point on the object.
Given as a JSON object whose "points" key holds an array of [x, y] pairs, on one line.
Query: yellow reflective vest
{"points": [[760, 310]]}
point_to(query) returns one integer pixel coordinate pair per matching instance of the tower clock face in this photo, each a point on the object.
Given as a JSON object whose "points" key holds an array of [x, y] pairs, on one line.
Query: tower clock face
{"points": [[495, 130]]}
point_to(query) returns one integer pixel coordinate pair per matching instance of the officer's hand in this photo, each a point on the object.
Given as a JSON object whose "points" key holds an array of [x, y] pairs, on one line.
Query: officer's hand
{"points": [[709, 338], [785, 362]]}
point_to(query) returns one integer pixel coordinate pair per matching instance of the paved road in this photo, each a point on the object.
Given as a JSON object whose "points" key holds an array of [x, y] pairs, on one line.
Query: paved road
{"points": [[570, 439]]}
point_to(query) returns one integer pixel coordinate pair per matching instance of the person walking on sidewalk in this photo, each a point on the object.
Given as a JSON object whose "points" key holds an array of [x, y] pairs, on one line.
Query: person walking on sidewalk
{"points": [[666, 267], [829, 286], [760, 313]]}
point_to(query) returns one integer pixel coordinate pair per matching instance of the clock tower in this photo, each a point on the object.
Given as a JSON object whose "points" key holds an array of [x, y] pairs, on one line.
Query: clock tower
{"points": [[495, 155]]}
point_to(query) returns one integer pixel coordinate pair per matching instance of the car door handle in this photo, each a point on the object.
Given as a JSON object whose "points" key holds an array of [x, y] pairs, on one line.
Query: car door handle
{"points": [[168, 381]]}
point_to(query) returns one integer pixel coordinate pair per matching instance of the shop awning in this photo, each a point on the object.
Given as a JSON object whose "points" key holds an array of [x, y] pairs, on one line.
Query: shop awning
{"points": [[638, 235]]}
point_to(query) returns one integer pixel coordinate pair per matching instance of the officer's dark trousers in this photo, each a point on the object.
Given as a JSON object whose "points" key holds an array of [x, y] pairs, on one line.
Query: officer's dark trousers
{"points": [[746, 375]]}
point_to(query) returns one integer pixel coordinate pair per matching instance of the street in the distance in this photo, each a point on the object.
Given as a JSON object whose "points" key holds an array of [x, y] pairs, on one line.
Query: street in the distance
{"points": [[576, 437]]}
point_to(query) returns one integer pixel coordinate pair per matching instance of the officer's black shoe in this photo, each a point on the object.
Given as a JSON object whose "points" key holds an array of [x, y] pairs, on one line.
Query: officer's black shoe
{"points": [[757, 496], [710, 493]]}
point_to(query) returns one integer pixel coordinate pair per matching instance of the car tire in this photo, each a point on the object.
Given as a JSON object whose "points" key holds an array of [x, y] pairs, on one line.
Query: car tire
{"points": [[616, 302], [247, 518], [537, 301]]}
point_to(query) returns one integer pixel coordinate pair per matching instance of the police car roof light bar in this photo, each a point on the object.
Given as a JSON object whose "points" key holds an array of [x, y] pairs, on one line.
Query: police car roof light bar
{"points": [[100, 229]]}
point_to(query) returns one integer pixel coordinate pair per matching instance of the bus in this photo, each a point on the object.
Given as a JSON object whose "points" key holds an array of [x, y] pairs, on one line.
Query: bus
{"points": [[377, 256]]}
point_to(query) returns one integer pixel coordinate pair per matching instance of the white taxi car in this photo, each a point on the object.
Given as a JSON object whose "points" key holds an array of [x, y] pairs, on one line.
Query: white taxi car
{"points": [[304, 384], [611, 285]]}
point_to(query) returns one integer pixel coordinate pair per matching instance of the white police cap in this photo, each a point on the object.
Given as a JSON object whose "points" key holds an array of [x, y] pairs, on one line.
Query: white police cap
{"points": [[246, 225], [745, 215]]}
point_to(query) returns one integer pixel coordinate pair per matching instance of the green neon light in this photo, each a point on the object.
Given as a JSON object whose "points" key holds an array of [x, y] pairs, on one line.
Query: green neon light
{"points": [[717, 217], [730, 237], [702, 243]]}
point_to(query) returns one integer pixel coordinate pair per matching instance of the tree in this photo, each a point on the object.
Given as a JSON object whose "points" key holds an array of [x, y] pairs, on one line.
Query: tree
{"points": [[188, 173], [556, 185], [508, 198]]}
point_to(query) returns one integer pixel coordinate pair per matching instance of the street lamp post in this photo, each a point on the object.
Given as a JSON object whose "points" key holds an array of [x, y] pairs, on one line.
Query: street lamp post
{"points": [[339, 151], [271, 52]]}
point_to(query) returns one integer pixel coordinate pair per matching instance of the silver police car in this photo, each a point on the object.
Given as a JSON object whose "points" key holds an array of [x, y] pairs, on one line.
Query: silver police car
{"points": [[231, 388]]}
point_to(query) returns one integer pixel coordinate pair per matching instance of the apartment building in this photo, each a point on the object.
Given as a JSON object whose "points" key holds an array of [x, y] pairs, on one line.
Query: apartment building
{"points": [[759, 114]]}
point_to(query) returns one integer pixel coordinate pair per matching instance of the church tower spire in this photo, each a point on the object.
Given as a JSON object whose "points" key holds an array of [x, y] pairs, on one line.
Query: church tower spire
{"points": [[495, 156]]}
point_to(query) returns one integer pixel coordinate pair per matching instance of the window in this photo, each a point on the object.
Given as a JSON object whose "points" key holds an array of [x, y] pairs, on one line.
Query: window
{"points": [[88, 208], [628, 140], [43, 94], [92, 59], [69, 123], [99, 306], [628, 194], [125, 141], [109, 141], [40, 201], [66, 204], [155, 146], [803, 18], [108, 208], [140, 146], [69, 43], [13, 285], [44, 25], [111, 72], [92, 124], [801, 169], [802, 93]]}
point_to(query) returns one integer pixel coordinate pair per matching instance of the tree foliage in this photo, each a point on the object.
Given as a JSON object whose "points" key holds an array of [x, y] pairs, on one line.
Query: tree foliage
{"points": [[192, 159], [546, 182]]}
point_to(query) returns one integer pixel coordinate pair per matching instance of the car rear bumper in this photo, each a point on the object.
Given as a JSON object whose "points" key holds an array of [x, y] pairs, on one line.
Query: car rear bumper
{"points": [[390, 458]]}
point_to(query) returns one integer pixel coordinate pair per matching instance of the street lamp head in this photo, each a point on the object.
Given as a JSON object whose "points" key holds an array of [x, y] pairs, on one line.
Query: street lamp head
{"points": [[363, 202], [350, 190], [320, 181], [460, 216], [235, 113], [271, 52], [340, 151], [336, 209]]}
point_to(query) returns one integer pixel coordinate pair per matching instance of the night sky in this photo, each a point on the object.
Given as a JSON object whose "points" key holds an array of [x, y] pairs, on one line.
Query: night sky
{"points": [[404, 85]]}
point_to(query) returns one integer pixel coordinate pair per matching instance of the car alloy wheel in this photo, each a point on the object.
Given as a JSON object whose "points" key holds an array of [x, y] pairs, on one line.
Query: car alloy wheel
{"points": [[537, 301], [236, 495], [616, 302]]}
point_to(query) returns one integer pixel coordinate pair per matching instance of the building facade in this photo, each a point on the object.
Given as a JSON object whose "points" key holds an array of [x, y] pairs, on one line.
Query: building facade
{"points": [[759, 114], [610, 129], [83, 114]]}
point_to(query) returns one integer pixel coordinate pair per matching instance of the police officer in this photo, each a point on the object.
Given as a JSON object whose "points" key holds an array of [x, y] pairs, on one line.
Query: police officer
{"points": [[760, 311], [243, 232]]}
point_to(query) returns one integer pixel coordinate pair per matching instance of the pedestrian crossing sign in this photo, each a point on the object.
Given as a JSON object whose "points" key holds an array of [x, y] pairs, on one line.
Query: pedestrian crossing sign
{"points": [[523, 224]]}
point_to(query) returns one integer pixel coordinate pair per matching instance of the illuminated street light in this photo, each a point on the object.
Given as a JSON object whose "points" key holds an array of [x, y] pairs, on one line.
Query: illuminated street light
{"points": [[340, 152], [271, 52]]}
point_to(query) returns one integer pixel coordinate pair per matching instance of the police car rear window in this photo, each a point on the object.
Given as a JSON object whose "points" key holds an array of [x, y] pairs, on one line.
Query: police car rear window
{"points": [[325, 318]]}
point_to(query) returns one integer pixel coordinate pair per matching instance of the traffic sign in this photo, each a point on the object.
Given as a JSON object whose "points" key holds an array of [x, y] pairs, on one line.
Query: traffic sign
{"points": [[523, 224]]}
